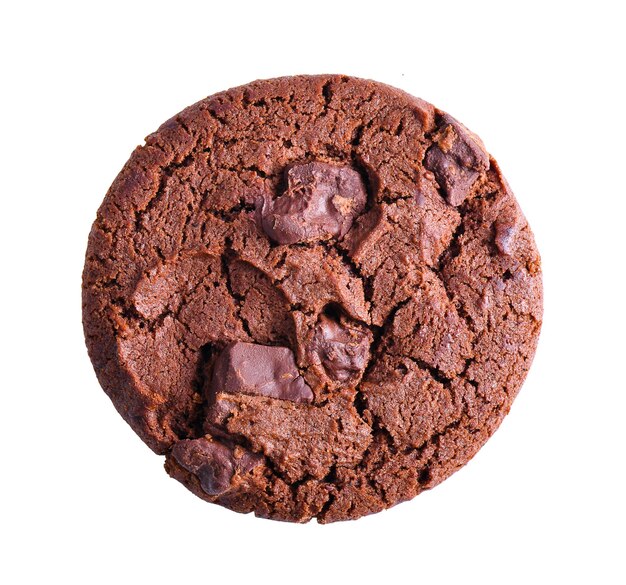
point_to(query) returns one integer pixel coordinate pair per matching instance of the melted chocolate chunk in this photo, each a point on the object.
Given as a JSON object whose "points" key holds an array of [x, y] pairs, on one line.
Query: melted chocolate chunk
{"points": [[342, 350], [506, 231], [214, 464], [456, 159], [249, 368], [321, 201]]}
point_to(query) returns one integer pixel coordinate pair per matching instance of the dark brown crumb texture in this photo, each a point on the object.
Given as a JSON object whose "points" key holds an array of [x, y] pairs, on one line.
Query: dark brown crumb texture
{"points": [[354, 244]]}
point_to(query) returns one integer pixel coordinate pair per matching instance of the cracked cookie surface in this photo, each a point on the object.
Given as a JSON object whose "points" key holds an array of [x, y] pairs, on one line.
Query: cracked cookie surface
{"points": [[316, 296]]}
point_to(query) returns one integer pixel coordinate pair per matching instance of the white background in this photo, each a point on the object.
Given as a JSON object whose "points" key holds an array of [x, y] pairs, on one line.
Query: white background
{"points": [[84, 501]]}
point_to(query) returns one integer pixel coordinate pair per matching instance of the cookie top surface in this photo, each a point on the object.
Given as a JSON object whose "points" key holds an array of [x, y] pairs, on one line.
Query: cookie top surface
{"points": [[317, 296]]}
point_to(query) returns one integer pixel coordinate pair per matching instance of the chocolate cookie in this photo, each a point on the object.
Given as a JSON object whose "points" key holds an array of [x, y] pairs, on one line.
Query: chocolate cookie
{"points": [[317, 296]]}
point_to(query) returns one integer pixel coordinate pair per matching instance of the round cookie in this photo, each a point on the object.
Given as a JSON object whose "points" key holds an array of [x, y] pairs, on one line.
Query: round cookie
{"points": [[316, 295]]}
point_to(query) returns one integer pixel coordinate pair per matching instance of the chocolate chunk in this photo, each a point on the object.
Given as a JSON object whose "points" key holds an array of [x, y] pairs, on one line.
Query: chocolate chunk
{"points": [[506, 230], [249, 368], [321, 201], [214, 464], [342, 350], [457, 159]]}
